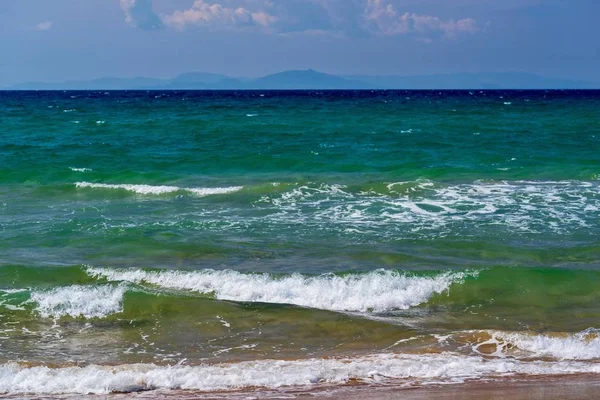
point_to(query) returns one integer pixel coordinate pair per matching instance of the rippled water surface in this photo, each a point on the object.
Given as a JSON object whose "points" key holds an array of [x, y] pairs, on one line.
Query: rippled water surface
{"points": [[222, 240]]}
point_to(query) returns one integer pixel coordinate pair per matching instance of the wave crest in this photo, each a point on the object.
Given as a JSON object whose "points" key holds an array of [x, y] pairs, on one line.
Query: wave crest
{"points": [[376, 291], [162, 189], [79, 301]]}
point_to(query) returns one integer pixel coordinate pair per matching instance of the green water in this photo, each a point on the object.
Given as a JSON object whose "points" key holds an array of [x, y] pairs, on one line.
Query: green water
{"points": [[154, 227]]}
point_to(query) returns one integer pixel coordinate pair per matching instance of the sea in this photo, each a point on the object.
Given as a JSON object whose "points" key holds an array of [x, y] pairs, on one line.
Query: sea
{"points": [[227, 241]]}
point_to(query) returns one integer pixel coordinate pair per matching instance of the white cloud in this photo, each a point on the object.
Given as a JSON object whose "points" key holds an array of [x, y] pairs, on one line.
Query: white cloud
{"points": [[338, 17], [44, 26], [382, 18], [218, 16]]}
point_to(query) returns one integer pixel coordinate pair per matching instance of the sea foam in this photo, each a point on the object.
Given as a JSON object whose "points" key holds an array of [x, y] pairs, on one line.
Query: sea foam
{"points": [[375, 291], [431, 368], [572, 346], [426, 208], [79, 301], [80, 169], [161, 189]]}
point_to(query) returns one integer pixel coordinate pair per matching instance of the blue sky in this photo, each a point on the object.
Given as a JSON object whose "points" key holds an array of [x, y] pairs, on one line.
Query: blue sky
{"points": [[56, 40]]}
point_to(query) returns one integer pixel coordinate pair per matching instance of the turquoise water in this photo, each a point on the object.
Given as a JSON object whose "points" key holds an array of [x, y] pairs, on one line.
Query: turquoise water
{"points": [[203, 228]]}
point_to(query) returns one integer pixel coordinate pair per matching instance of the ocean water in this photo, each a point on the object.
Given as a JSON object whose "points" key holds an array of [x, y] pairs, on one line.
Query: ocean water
{"points": [[233, 240]]}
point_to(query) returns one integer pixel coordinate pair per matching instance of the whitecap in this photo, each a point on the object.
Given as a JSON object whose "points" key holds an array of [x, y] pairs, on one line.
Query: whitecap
{"points": [[375, 291], [212, 191], [161, 189], [79, 301]]}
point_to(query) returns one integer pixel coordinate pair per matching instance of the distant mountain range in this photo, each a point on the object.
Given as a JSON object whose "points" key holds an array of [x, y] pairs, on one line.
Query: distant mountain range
{"points": [[310, 79]]}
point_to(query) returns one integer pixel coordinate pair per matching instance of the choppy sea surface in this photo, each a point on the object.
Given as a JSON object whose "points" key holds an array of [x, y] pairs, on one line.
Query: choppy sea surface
{"points": [[231, 240]]}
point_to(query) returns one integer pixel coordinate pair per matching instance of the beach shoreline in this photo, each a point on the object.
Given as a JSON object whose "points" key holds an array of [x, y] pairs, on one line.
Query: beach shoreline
{"points": [[582, 386]]}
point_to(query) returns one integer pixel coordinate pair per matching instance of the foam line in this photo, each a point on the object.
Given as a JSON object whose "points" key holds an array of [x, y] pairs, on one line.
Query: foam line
{"points": [[432, 368]]}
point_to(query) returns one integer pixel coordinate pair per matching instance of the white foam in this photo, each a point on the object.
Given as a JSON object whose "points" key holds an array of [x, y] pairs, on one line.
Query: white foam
{"points": [[80, 169], [425, 208], [79, 301], [157, 190], [575, 346], [211, 191], [423, 369], [375, 291]]}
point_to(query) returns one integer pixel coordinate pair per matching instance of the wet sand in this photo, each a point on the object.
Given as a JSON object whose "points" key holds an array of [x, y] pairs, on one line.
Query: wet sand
{"points": [[542, 389]]}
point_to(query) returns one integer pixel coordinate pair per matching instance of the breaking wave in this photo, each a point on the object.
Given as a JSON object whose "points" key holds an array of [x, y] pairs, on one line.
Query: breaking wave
{"points": [[79, 301], [376, 291], [583, 345], [431, 368], [157, 190]]}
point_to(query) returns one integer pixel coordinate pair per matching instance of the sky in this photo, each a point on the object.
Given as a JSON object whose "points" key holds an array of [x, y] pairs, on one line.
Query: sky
{"points": [[59, 40]]}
